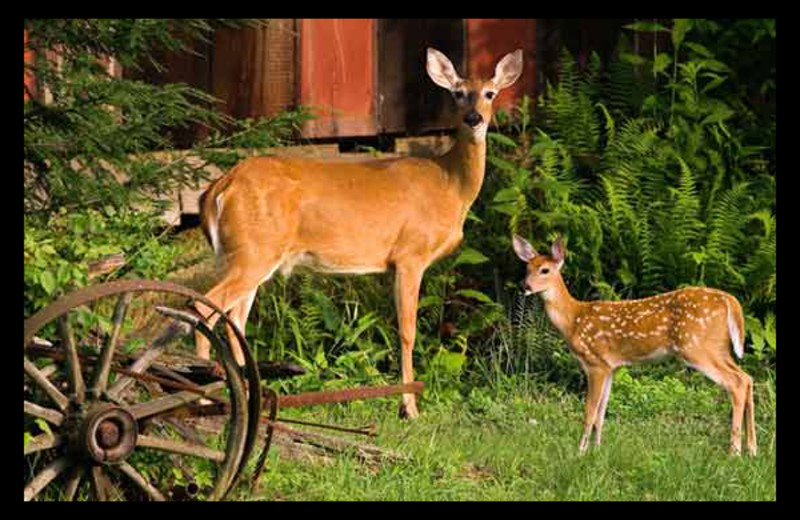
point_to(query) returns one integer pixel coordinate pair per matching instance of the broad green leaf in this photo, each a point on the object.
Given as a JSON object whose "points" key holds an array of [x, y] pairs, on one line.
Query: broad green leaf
{"points": [[505, 195], [644, 26], [48, 282], [661, 62], [475, 295], [699, 49], [502, 164], [470, 256], [679, 29], [633, 59], [501, 139], [720, 113]]}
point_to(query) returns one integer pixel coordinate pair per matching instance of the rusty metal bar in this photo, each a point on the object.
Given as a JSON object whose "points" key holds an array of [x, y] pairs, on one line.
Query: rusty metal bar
{"points": [[369, 431], [349, 394]]}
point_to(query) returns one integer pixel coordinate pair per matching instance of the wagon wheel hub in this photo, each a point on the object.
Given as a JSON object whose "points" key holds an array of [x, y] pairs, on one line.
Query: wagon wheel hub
{"points": [[107, 434]]}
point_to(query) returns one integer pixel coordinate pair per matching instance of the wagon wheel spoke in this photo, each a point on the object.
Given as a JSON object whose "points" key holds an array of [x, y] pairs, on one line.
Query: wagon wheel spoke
{"points": [[101, 485], [174, 401], [48, 414], [73, 483], [44, 477], [44, 383], [180, 448], [42, 442], [74, 375], [141, 481], [100, 383], [141, 365], [149, 411]]}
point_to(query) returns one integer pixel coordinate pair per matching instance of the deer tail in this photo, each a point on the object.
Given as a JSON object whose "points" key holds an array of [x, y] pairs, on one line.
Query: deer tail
{"points": [[211, 204]]}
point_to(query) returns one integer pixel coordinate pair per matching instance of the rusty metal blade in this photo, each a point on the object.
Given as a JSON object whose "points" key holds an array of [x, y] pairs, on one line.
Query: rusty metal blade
{"points": [[349, 394]]}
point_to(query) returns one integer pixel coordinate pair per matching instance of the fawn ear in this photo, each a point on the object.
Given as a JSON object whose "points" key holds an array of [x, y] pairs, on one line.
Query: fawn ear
{"points": [[508, 70], [524, 250], [441, 70], [558, 252]]}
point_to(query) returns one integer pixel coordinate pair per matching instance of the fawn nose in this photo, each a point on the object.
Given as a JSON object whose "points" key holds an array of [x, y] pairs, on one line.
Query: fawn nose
{"points": [[473, 118]]}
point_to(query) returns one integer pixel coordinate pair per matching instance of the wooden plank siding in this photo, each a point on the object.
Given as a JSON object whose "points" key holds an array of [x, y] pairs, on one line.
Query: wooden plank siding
{"points": [[408, 100], [338, 76], [489, 39], [28, 80], [254, 69]]}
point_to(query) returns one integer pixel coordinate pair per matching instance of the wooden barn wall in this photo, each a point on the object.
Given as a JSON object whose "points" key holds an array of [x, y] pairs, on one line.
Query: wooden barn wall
{"points": [[254, 69], [338, 76], [488, 40], [29, 82], [408, 99]]}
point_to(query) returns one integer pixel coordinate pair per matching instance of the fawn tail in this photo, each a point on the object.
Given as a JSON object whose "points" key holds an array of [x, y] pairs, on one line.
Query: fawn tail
{"points": [[736, 326]]}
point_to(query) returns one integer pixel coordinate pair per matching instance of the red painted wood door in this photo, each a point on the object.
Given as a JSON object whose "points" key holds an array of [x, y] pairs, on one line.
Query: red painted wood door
{"points": [[338, 76], [489, 39]]}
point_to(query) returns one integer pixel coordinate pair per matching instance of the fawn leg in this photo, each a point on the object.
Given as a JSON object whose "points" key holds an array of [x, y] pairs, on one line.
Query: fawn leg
{"points": [[601, 412], [597, 380]]}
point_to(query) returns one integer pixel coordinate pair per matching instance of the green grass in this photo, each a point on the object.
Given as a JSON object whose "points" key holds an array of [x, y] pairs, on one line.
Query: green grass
{"points": [[514, 446]]}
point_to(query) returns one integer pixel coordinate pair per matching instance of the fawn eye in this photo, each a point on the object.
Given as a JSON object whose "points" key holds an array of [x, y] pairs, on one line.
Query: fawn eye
{"points": [[544, 271], [459, 94], [490, 94]]}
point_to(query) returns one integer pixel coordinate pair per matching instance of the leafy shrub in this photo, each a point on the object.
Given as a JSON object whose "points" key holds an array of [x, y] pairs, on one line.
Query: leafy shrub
{"points": [[57, 251], [656, 184]]}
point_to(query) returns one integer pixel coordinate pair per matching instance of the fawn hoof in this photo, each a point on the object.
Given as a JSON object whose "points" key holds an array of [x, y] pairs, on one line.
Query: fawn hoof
{"points": [[583, 447], [752, 450]]}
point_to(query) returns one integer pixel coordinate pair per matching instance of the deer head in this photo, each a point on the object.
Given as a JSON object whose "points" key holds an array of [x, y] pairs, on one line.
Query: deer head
{"points": [[474, 97], [542, 270]]}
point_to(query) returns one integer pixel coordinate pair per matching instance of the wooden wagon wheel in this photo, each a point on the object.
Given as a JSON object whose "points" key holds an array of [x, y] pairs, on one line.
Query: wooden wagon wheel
{"points": [[132, 425]]}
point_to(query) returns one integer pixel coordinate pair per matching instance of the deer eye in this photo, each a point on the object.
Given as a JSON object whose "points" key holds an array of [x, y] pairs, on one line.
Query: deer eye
{"points": [[489, 94], [459, 94], [544, 270]]}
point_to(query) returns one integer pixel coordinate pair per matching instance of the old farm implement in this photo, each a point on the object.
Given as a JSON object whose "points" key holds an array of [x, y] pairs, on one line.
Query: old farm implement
{"points": [[112, 414]]}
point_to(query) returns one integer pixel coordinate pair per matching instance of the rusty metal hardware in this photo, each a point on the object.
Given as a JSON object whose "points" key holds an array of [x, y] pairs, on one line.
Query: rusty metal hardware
{"points": [[349, 394]]}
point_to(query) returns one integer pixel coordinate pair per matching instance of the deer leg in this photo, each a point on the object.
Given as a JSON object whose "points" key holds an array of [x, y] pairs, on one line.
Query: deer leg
{"points": [[601, 411], [597, 381], [239, 316], [407, 285], [236, 287]]}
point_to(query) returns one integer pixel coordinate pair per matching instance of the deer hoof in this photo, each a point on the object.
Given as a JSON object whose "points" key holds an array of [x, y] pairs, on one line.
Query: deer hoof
{"points": [[408, 411]]}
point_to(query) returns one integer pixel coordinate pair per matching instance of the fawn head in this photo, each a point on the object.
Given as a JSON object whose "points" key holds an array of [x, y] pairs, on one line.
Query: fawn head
{"points": [[543, 270], [474, 97]]}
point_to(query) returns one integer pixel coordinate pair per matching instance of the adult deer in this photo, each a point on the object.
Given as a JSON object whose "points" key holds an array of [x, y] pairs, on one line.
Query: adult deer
{"points": [[695, 324], [271, 213]]}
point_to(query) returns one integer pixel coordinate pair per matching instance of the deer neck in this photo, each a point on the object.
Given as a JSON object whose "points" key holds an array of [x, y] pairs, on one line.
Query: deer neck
{"points": [[466, 164], [561, 307]]}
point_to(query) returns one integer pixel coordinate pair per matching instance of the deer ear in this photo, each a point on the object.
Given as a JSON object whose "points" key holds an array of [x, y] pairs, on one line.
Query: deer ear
{"points": [[524, 250], [441, 70], [558, 252], [508, 70]]}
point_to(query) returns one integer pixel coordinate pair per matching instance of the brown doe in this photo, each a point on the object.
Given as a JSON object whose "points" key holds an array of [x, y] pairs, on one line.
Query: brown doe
{"points": [[695, 324], [270, 213]]}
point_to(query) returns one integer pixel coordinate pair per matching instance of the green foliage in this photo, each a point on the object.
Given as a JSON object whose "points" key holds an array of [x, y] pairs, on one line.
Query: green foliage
{"points": [[343, 330], [673, 191], [88, 143], [57, 251], [101, 145]]}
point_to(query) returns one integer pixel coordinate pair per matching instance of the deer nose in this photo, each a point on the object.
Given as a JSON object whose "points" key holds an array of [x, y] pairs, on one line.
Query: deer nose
{"points": [[473, 118]]}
